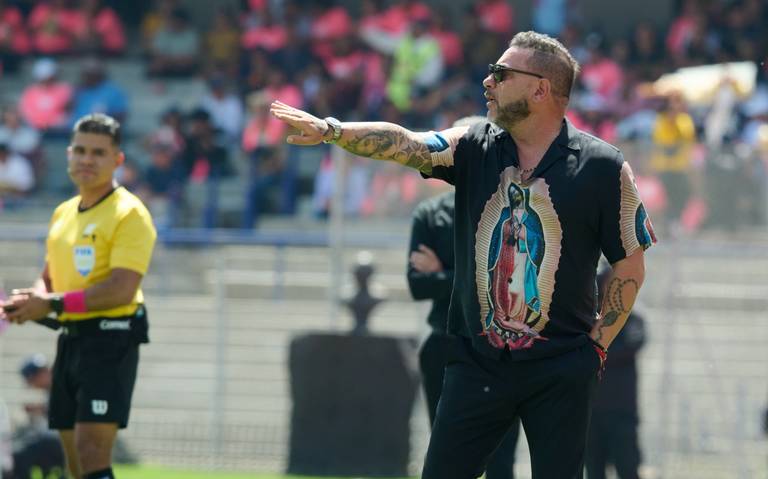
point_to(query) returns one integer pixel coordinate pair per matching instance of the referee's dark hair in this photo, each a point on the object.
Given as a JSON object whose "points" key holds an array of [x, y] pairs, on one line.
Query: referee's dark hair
{"points": [[99, 124]]}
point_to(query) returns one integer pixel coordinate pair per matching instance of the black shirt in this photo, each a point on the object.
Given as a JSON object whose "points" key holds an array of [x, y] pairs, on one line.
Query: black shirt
{"points": [[433, 227], [524, 276]]}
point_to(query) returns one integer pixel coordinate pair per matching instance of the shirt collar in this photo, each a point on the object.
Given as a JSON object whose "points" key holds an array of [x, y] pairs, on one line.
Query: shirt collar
{"points": [[568, 136]]}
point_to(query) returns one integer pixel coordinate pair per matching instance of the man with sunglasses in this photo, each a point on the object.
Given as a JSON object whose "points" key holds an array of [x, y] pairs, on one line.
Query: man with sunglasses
{"points": [[537, 202]]}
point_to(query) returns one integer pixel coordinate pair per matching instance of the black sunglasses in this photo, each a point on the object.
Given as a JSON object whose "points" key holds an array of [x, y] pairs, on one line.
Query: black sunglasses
{"points": [[497, 71]]}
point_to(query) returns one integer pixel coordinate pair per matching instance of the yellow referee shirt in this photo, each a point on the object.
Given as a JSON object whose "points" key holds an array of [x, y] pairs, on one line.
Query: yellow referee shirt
{"points": [[84, 246]]}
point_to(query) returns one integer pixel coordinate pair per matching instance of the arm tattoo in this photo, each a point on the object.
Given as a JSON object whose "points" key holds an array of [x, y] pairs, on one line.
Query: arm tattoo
{"points": [[615, 305], [391, 145]]}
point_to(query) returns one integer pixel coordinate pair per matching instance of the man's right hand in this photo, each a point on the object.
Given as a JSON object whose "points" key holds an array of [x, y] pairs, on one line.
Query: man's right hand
{"points": [[313, 129]]}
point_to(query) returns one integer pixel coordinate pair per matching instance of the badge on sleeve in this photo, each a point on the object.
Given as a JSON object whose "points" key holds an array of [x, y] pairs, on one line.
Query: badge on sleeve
{"points": [[85, 258]]}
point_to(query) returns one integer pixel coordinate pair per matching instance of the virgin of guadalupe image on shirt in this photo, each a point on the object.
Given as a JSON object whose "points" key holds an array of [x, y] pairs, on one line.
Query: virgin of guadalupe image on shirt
{"points": [[515, 255]]}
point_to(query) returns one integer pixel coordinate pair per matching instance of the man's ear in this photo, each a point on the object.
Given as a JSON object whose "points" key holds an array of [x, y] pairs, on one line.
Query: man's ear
{"points": [[543, 90], [120, 158]]}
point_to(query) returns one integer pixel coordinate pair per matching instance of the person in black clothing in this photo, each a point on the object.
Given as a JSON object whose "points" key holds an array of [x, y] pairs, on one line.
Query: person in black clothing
{"points": [[613, 431], [204, 159], [537, 203], [430, 276]]}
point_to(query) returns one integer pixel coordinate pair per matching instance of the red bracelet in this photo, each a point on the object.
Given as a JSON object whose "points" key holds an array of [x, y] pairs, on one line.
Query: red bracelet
{"points": [[601, 352], [74, 302]]}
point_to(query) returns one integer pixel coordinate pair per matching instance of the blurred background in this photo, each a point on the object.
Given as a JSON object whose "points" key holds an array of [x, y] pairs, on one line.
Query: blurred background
{"points": [[258, 239]]}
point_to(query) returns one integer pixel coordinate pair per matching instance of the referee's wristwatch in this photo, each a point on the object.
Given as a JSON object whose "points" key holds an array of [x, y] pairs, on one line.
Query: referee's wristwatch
{"points": [[57, 304], [335, 126]]}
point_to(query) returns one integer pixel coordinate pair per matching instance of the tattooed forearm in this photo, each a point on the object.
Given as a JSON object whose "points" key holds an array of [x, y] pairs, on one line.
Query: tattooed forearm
{"points": [[619, 296], [390, 142]]}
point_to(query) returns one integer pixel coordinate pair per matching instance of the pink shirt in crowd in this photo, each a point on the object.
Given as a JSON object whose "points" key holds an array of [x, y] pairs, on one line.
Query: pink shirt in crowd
{"points": [[54, 30], [496, 17], [334, 23], [44, 106], [259, 132], [396, 19], [450, 46], [12, 29], [262, 130], [604, 78], [109, 29], [270, 38]]}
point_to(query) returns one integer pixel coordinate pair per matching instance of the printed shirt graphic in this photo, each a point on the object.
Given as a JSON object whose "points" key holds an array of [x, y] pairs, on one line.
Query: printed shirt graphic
{"points": [[84, 247], [527, 251], [510, 252]]}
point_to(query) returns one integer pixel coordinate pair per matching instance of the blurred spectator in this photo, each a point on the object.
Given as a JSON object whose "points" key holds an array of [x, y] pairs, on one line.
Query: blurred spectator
{"points": [[175, 47], [54, 26], [45, 103], [646, 54], [256, 68], [392, 191], [549, 16], [496, 16], [269, 35], [222, 44], [36, 373], [16, 174], [265, 168], [280, 88], [156, 20], [601, 74], [102, 30], [382, 30], [356, 180], [19, 137], [346, 66], [98, 94], [38, 451], [295, 56], [262, 139], [594, 117], [225, 108], [613, 435], [331, 24], [161, 187], [417, 65], [204, 160], [674, 135], [450, 43], [755, 112], [169, 133], [14, 40]]}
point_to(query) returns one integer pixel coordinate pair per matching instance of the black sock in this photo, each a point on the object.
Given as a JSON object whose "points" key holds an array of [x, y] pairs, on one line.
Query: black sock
{"points": [[102, 474]]}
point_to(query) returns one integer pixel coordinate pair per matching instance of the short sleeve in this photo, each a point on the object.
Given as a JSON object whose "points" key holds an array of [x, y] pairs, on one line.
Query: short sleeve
{"points": [[133, 242], [624, 223]]}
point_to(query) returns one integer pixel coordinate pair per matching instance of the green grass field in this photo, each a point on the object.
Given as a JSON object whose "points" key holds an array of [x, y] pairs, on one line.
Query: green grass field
{"points": [[156, 472]]}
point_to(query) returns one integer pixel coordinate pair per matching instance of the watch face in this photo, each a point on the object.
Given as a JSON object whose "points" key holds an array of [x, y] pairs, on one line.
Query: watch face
{"points": [[335, 125]]}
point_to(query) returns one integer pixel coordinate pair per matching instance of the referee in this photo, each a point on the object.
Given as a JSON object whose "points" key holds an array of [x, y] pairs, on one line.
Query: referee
{"points": [[99, 247]]}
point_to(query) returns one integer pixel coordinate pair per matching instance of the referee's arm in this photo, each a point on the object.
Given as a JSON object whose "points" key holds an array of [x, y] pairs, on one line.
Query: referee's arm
{"points": [[117, 290]]}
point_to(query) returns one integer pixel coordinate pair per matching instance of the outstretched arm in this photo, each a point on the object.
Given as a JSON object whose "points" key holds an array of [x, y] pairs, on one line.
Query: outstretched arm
{"points": [[377, 140]]}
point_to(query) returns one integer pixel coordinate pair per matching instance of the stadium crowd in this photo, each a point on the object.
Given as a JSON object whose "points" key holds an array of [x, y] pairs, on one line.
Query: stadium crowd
{"points": [[403, 61]]}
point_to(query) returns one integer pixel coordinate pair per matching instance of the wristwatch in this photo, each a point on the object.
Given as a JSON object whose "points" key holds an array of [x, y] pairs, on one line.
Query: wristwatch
{"points": [[57, 304], [335, 125]]}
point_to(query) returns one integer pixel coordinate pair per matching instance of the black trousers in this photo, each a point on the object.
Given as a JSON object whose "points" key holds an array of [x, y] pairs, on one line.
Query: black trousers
{"points": [[482, 397], [435, 354], [613, 440]]}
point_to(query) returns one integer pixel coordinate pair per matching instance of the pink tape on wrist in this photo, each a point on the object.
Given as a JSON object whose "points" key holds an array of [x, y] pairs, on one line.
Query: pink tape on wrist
{"points": [[74, 302]]}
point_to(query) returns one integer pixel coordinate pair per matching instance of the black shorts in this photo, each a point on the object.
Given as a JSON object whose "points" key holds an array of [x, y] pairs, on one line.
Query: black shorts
{"points": [[93, 379]]}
